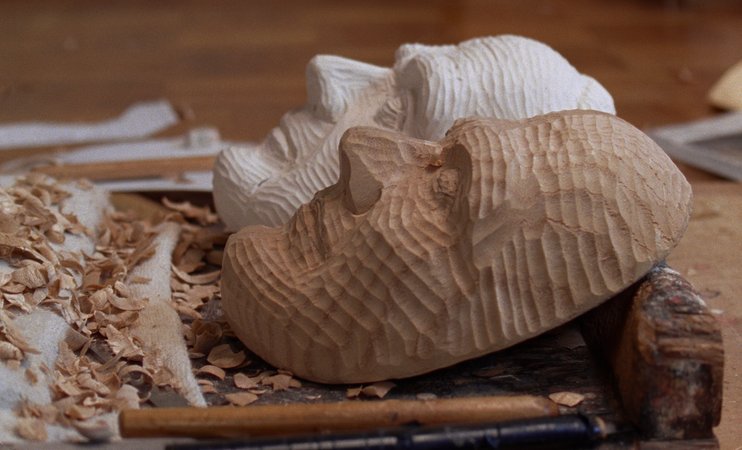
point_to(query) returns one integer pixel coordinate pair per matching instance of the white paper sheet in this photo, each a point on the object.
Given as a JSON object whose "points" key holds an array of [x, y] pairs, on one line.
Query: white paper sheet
{"points": [[138, 121]]}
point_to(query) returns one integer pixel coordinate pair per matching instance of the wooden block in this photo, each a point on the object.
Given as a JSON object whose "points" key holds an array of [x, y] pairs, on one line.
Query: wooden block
{"points": [[665, 349]]}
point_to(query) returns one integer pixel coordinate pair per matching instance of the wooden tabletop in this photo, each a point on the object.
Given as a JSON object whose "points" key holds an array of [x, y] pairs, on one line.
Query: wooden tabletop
{"points": [[239, 66]]}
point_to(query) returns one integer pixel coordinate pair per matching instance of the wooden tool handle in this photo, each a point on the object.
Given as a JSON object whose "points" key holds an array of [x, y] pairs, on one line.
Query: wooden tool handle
{"points": [[667, 355], [120, 170], [272, 420]]}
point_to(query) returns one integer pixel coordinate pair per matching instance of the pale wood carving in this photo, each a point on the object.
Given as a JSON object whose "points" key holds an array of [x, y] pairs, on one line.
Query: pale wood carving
{"points": [[727, 92], [508, 77], [425, 254]]}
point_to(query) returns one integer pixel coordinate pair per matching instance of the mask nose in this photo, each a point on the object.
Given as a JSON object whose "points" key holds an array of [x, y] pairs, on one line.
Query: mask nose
{"points": [[371, 158]]}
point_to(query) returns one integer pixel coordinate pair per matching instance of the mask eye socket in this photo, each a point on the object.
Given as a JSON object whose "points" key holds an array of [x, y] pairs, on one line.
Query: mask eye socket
{"points": [[362, 188], [372, 159]]}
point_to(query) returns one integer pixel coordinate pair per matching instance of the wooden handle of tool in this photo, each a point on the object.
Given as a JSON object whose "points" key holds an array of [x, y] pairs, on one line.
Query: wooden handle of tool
{"points": [[121, 170], [273, 420]]}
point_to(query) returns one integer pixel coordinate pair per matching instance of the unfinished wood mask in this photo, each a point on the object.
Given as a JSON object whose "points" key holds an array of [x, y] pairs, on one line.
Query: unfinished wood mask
{"points": [[507, 77], [424, 254]]}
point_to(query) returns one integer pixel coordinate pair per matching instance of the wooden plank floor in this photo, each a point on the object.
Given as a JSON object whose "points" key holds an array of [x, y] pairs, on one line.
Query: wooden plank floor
{"points": [[239, 65]]}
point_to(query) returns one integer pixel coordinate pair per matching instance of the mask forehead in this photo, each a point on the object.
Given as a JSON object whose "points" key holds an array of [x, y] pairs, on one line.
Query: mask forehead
{"points": [[508, 77], [333, 83]]}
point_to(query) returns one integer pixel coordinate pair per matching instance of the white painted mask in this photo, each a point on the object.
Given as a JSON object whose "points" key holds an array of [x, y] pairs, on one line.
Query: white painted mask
{"points": [[507, 77]]}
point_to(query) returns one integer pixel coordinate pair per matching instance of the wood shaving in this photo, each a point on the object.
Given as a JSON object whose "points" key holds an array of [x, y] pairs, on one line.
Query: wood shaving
{"points": [[378, 390], [222, 356], [353, 392], [570, 399], [205, 278], [203, 215], [10, 351], [212, 370], [32, 429], [106, 370], [205, 335], [242, 381], [241, 398], [281, 382], [208, 389]]}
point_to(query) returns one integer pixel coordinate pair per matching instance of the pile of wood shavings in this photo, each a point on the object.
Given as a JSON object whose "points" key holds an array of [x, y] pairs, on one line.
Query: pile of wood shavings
{"points": [[102, 368], [222, 362], [99, 369]]}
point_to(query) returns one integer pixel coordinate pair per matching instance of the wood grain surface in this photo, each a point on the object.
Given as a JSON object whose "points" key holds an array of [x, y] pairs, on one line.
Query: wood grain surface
{"points": [[239, 66], [425, 254], [280, 420]]}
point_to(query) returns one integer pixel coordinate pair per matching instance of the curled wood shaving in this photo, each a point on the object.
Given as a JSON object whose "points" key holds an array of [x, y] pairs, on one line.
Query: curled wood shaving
{"points": [[208, 389], [202, 215], [90, 292], [205, 278], [212, 370], [121, 343], [206, 335]]}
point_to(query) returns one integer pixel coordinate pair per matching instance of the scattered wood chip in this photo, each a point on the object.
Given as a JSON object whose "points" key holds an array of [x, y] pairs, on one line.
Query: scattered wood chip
{"points": [[102, 369], [212, 370], [242, 381], [128, 303], [222, 356], [31, 429], [379, 389], [208, 389], [570, 399], [202, 215], [241, 398], [206, 335], [353, 392], [281, 382], [204, 278]]}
